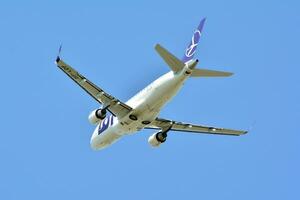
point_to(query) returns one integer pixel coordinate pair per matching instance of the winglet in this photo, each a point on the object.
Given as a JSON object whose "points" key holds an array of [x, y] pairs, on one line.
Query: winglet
{"points": [[58, 55]]}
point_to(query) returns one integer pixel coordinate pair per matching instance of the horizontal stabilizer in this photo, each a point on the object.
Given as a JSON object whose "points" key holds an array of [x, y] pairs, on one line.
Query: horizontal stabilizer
{"points": [[209, 73], [174, 63]]}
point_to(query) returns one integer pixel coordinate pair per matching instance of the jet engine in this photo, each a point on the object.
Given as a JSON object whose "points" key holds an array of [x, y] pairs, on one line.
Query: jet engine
{"points": [[97, 115], [157, 139]]}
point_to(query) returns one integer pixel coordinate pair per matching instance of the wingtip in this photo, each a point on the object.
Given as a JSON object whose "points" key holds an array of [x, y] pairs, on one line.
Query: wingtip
{"points": [[156, 46], [244, 132], [58, 55]]}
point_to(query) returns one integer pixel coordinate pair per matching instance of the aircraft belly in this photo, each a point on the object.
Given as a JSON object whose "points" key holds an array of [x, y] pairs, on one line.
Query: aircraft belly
{"points": [[147, 106], [161, 95]]}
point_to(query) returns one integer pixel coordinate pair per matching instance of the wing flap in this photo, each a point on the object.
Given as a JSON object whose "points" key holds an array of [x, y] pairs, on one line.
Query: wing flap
{"points": [[115, 106], [165, 124]]}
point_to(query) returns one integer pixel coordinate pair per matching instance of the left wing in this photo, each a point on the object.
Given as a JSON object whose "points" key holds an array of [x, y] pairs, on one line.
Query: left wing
{"points": [[165, 124], [115, 106]]}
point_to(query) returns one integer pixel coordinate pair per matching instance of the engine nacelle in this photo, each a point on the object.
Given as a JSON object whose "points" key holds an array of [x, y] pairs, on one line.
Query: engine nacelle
{"points": [[157, 139], [97, 116]]}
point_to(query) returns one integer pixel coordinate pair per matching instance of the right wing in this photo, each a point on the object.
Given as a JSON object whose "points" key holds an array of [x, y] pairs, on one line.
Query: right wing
{"points": [[165, 124], [115, 106]]}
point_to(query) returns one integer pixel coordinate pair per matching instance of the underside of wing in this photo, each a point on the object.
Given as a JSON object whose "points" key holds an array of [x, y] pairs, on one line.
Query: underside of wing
{"points": [[164, 124], [115, 106]]}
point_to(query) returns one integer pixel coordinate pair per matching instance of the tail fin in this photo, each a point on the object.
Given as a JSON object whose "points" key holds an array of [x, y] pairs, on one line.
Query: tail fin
{"points": [[191, 49], [177, 65]]}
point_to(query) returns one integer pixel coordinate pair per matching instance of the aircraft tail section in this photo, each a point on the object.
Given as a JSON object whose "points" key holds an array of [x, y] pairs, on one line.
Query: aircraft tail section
{"points": [[191, 49], [172, 61], [188, 59]]}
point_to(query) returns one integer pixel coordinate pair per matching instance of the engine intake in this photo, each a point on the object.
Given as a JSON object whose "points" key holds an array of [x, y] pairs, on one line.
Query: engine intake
{"points": [[97, 115], [157, 138]]}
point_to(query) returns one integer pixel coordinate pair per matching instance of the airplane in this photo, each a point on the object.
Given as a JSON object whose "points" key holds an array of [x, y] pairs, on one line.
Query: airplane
{"points": [[142, 110]]}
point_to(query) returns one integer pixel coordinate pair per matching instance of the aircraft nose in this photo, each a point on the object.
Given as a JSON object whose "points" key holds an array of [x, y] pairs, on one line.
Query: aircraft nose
{"points": [[93, 142], [93, 146]]}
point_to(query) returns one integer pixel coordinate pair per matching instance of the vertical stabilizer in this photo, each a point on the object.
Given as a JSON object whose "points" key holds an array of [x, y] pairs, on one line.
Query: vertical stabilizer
{"points": [[191, 49]]}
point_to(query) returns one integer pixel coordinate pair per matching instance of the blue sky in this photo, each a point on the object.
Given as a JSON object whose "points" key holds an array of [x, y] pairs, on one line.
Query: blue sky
{"points": [[44, 146]]}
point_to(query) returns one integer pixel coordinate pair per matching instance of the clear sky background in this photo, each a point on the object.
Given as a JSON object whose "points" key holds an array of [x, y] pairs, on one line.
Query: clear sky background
{"points": [[44, 145]]}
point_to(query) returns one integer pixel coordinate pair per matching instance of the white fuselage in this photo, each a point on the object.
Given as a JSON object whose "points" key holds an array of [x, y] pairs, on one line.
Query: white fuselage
{"points": [[146, 106]]}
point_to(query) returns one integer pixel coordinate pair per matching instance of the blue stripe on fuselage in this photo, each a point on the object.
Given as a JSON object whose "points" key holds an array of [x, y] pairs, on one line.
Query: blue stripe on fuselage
{"points": [[105, 123]]}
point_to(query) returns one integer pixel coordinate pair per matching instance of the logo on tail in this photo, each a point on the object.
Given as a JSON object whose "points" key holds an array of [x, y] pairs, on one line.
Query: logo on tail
{"points": [[191, 50]]}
